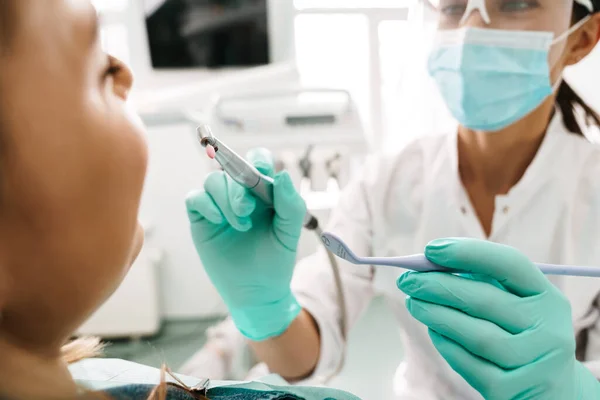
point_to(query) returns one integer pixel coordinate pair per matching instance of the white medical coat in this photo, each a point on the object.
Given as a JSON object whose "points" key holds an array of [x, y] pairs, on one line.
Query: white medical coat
{"points": [[404, 200]]}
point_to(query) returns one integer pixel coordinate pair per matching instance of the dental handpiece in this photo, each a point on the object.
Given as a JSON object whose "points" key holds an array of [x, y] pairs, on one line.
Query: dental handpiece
{"points": [[243, 172]]}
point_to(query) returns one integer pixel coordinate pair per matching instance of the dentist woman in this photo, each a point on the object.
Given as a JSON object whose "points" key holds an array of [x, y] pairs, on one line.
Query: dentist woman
{"points": [[518, 171]]}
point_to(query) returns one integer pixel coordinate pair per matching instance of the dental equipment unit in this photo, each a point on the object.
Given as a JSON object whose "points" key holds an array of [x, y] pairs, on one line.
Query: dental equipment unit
{"points": [[420, 263]]}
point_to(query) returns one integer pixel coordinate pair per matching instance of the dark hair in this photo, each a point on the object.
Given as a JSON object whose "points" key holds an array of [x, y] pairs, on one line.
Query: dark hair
{"points": [[567, 99]]}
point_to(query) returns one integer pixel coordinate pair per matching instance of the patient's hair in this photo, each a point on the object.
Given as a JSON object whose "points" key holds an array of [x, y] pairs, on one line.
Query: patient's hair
{"points": [[567, 99], [81, 349]]}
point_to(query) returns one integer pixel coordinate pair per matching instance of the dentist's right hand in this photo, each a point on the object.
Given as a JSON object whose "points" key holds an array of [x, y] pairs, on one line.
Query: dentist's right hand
{"points": [[249, 250]]}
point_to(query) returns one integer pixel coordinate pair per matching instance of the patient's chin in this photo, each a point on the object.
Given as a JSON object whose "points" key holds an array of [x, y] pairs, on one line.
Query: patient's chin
{"points": [[138, 242]]}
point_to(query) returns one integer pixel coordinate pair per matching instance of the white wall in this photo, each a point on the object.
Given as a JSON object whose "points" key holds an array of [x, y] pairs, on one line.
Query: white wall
{"points": [[585, 78]]}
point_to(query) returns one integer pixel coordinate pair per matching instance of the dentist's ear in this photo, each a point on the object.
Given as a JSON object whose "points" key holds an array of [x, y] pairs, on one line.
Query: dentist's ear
{"points": [[584, 40]]}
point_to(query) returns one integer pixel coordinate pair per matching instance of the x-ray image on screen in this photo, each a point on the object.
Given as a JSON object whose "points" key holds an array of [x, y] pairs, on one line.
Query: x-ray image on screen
{"points": [[207, 33]]}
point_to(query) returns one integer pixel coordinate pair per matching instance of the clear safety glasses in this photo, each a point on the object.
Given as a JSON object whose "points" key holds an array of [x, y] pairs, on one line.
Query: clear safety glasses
{"points": [[505, 14]]}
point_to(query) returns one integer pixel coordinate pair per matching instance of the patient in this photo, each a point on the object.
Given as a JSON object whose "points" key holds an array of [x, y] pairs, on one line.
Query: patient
{"points": [[72, 167]]}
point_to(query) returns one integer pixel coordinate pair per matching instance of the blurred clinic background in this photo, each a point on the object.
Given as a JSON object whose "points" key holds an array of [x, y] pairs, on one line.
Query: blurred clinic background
{"points": [[319, 82]]}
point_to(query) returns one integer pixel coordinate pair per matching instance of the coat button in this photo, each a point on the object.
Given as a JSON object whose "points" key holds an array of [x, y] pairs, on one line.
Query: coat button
{"points": [[463, 210], [506, 209]]}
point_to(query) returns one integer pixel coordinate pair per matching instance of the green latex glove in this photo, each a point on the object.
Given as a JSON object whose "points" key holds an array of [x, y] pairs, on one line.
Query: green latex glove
{"points": [[248, 249], [510, 341]]}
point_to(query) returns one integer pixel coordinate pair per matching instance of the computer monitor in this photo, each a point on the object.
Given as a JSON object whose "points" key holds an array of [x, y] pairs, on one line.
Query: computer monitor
{"points": [[186, 34]]}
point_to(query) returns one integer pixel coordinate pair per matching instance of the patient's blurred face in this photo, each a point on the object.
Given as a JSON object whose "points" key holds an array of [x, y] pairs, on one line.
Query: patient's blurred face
{"points": [[72, 166]]}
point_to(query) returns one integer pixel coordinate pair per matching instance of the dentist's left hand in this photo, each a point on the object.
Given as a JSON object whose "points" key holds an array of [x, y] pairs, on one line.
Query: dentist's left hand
{"points": [[248, 249], [509, 341]]}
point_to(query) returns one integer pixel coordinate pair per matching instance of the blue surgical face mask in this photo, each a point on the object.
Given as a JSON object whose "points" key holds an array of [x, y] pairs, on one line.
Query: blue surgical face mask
{"points": [[490, 78]]}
